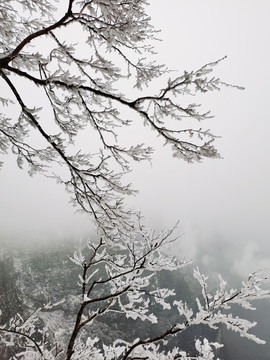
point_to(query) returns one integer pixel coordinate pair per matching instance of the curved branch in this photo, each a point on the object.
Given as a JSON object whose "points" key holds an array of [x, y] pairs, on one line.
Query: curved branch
{"points": [[24, 335], [172, 331], [5, 60]]}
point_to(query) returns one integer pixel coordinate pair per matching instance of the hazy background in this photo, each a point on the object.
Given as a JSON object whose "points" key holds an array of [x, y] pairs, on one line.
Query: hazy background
{"points": [[223, 205]]}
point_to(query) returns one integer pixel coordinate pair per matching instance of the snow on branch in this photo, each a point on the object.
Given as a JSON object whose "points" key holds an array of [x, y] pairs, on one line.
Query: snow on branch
{"points": [[210, 311], [79, 87], [80, 92], [124, 281]]}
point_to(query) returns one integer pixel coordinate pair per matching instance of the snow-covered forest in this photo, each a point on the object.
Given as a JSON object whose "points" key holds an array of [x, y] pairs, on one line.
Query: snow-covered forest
{"points": [[84, 98]]}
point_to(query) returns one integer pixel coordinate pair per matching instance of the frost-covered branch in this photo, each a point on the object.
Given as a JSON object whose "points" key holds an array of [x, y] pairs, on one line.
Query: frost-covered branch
{"points": [[119, 280], [126, 278], [79, 87], [122, 280], [33, 342], [212, 311]]}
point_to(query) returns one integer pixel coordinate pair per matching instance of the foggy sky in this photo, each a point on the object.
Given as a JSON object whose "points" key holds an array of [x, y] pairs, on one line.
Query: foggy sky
{"points": [[223, 205]]}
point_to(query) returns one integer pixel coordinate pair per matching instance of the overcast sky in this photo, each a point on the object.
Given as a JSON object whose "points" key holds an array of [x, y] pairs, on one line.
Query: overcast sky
{"points": [[223, 205]]}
